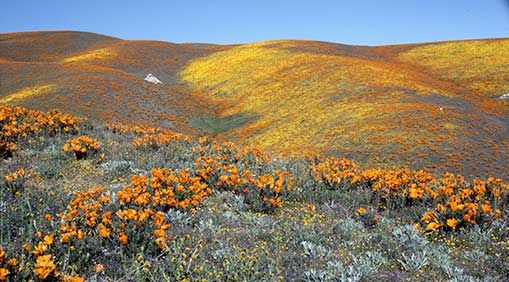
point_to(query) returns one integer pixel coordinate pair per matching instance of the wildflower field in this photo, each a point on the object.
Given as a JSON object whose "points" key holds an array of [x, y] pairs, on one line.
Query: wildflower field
{"points": [[281, 160], [86, 201], [100, 76], [428, 105]]}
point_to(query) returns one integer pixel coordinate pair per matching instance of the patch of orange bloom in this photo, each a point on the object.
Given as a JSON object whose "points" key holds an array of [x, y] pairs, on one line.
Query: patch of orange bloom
{"points": [[17, 124], [149, 136], [457, 202], [16, 175], [82, 146], [44, 266]]}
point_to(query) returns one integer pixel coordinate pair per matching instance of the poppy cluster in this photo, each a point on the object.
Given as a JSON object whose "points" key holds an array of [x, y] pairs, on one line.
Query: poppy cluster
{"points": [[5, 266], [130, 216], [263, 191], [227, 169], [154, 137], [44, 265], [223, 166], [82, 147], [17, 124], [454, 201], [13, 178]]}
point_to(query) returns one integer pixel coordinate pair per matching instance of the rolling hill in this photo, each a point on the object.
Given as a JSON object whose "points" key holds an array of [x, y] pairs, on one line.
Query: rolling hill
{"points": [[101, 77], [429, 105]]}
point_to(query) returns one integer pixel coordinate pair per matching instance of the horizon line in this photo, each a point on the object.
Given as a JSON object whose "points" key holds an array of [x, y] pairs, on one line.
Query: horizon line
{"points": [[265, 40]]}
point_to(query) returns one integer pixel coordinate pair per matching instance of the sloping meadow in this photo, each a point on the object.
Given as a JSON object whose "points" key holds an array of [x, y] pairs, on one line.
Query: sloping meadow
{"points": [[425, 105], [431, 105], [82, 200]]}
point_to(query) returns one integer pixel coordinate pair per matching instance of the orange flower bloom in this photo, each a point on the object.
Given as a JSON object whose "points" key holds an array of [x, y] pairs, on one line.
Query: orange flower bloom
{"points": [[143, 199], [80, 235], [452, 223], [4, 272], [66, 237], [104, 231], [159, 218], [99, 268], [106, 218], [361, 211], [26, 247], [159, 233], [160, 242], [44, 266], [432, 226], [40, 249], [69, 278], [429, 216], [12, 262], [49, 239], [123, 238], [486, 208], [415, 192]]}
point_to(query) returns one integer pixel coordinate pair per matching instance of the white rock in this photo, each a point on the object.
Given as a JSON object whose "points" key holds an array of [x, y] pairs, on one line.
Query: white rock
{"points": [[505, 96], [152, 79]]}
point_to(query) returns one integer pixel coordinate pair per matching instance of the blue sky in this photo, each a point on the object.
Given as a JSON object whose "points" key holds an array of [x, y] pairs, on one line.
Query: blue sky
{"points": [[353, 22]]}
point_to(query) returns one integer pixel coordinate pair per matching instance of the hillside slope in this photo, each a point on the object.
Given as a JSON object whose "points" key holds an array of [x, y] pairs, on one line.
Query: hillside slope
{"points": [[98, 76], [430, 105], [389, 105], [86, 202]]}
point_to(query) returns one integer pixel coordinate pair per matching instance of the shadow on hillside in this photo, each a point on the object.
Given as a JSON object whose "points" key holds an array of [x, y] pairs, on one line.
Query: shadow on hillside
{"points": [[215, 124]]}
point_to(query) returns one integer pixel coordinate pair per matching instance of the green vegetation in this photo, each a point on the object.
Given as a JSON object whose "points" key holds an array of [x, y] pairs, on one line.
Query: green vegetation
{"points": [[139, 193], [313, 230], [214, 125]]}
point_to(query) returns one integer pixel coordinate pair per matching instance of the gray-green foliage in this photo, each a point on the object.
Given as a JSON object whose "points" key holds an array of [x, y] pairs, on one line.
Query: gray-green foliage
{"points": [[314, 251], [362, 266], [409, 238], [414, 261], [225, 240]]}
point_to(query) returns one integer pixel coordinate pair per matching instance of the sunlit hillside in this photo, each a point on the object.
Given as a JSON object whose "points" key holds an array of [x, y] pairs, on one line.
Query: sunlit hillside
{"points": [[101, 77], [367, 103], [431, 106], [282, 160], [480, 65]]}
